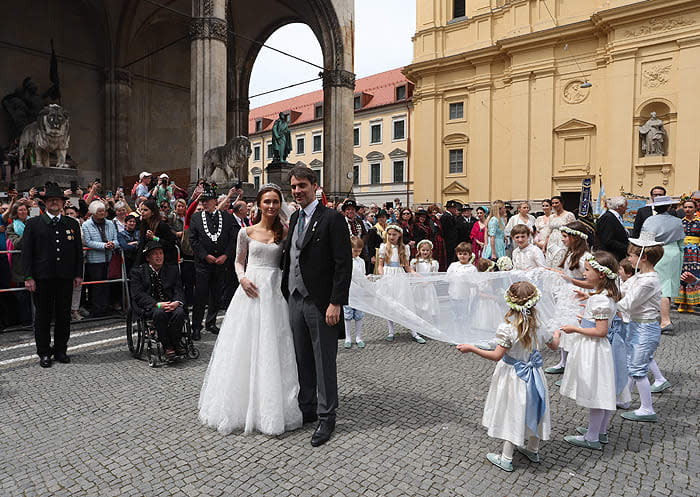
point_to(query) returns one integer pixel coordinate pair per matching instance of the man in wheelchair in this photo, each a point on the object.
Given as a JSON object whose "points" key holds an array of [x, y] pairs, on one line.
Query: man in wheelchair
{"points": [[158, 296]]}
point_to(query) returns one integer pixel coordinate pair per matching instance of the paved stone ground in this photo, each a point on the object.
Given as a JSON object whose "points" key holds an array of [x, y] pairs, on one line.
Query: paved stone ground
{"points": [[408, 425]]}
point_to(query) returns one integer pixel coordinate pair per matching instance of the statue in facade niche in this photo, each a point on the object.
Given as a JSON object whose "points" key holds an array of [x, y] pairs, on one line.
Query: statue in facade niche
{"points": [[653, 136], [281, 139]]}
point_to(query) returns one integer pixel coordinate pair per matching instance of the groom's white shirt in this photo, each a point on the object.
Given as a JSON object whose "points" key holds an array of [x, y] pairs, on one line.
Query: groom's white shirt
{"points": [[309, 210]]}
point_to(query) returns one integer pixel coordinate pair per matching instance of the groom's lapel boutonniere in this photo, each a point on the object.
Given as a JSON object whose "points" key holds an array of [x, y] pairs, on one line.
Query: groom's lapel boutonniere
{"points": [[313, 228]]}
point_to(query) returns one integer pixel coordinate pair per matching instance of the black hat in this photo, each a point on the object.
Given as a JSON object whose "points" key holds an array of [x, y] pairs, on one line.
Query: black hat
{"points": [[381, 213], [349, 203], [466, 207], [422, 212], [508, 205], [208, 192], [151, 245], [453, 203], [54, 191]]}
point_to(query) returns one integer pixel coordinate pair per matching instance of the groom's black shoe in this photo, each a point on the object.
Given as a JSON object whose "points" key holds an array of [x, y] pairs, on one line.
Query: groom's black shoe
{"points": [[310, 417], [214, 330], [323, 432]]}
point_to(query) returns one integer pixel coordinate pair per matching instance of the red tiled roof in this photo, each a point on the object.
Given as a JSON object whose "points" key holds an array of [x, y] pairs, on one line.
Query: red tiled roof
{"points": [[379, 86]]}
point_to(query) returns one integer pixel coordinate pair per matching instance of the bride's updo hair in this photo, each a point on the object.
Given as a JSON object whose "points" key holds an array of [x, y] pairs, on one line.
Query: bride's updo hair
{"points": [[277, 226]]}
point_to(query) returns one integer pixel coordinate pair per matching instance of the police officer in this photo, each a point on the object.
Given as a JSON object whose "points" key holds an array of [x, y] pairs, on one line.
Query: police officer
{"points": [[214, 245], [52, 254]]}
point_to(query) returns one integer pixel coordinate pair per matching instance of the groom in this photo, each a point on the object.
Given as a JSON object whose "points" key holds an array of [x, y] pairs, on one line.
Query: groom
{"points": [[317, 268]]}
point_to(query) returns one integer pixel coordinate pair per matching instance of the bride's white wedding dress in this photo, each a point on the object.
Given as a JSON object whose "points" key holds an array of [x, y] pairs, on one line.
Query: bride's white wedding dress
{"points": [[251, 383]]}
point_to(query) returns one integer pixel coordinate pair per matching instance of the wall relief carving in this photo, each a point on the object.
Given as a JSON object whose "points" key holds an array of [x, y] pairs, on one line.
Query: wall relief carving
{"points": [[574, 94], [659, 25], [656, 75]]}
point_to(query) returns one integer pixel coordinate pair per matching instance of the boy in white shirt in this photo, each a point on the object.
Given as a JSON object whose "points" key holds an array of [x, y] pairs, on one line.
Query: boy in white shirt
{"points": [[525, 255], [350, 314]]}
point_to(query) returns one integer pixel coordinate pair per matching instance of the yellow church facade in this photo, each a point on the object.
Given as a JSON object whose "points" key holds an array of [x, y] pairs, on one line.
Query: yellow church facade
{"points": [[523, 99]]}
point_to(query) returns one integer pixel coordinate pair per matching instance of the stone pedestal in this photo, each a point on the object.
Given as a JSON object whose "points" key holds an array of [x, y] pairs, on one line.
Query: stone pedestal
{"points": [[38, 176], [278, 173]]}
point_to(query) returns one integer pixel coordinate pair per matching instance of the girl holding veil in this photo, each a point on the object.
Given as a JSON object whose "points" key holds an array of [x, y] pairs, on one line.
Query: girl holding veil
{"points": [[251, 383]]}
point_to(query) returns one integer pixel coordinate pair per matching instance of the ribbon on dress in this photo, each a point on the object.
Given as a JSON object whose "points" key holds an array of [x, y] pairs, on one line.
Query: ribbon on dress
{"points": [[536, 392]]}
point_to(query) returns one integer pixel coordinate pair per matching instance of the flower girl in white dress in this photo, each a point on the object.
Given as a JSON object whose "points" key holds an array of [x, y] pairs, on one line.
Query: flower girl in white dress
{"points": [[251, 383], [517, 405]]}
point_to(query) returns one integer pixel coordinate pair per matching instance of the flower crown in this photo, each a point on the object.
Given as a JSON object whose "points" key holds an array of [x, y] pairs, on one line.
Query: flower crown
{"points": [[424, 242], [571, 231], [504, 263], [492, 266], [599, 267], [527, 305], [395, 227]]}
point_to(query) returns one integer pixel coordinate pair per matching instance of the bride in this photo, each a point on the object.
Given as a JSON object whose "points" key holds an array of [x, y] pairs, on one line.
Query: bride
{"points": [[251, 382]]}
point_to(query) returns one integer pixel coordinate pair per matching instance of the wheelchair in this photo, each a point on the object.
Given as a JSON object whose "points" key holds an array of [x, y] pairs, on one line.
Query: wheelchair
{"points": [[141, 334]]}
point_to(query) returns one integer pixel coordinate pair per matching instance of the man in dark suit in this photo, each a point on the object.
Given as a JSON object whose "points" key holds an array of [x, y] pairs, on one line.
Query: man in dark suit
{"points": [[52, 254], [611, 234], [157, 293], [646, 211], [239, 211], [356, 227], [450, 229], [213, 243], [317, 268], [468, 221]]}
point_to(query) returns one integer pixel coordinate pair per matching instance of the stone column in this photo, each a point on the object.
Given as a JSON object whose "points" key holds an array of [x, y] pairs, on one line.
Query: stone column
{"points": [[117, 93], [338, 91], [208, 35]]}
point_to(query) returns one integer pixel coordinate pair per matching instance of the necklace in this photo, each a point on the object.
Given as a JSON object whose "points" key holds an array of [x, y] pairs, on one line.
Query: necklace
{"points": [[216, 235]]}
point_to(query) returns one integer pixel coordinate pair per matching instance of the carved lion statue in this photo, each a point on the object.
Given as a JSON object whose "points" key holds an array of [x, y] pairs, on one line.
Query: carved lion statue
{"points": [[49, 133], [230, 159]]}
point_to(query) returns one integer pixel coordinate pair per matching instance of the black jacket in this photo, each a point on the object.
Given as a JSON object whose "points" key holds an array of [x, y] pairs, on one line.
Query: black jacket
{"points": [[642, 215], [325, 258], [450, 233], [52, 252], [141, 287], [611, 236], [464, 230], [202, 244]]}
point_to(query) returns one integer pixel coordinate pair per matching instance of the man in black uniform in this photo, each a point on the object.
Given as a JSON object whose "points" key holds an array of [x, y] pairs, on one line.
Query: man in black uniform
{"points": [[451, 229], [158, 295], [466, 212], [356, 227], [214, 245], [52, 254]]}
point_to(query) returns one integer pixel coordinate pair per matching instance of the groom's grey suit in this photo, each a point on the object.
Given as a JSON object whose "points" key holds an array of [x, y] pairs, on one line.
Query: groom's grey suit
{"points": [[317, 266]]}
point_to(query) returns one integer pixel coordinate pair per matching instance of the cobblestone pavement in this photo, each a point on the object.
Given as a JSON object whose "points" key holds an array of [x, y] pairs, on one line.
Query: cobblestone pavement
{"points": [[409, 424]]}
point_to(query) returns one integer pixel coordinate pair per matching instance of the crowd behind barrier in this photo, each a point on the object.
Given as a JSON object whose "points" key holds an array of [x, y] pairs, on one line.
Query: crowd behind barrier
{"points": [[115, 227]]}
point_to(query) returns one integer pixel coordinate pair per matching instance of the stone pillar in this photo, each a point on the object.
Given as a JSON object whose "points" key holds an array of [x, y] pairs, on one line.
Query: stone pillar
{"points": [[208, 35], [338, 91], [117, 93]]}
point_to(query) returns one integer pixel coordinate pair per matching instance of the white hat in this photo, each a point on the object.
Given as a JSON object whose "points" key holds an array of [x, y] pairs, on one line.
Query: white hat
{"points": [[143, 175], [662, 200], [164, 176], [646, 239]]}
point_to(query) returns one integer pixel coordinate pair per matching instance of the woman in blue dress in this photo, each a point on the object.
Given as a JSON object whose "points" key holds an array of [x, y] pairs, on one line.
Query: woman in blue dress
{"points": [[495, 237]]}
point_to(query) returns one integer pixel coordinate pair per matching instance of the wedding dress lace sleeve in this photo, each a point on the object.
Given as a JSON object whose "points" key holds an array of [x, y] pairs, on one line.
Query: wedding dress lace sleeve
{"points": [[241, 253]]}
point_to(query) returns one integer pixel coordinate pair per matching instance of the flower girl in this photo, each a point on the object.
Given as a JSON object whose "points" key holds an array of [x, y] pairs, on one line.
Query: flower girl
{"points": [[350, 314], [589, 378], [394, 259], [517, 405]]}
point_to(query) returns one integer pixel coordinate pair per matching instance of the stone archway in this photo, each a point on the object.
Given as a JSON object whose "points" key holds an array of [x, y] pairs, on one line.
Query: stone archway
{"points": [[222, 62]]}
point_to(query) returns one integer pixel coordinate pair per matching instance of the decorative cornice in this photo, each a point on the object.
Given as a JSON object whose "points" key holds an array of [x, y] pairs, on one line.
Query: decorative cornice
{"points": [[659, 25], [208, 28], [338, 78]]}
